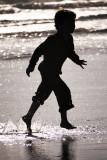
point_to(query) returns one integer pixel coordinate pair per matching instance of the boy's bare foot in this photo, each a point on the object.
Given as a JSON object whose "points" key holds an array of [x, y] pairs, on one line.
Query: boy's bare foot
{"points": [[67, 125], [28, 124]]}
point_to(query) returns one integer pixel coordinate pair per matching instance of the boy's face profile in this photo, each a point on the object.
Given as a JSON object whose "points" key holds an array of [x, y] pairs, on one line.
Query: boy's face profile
{"points": [[65, 21], [68, 26]]}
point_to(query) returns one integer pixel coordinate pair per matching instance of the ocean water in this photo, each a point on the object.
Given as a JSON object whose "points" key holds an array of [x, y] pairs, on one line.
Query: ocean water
{"points": [[21, 21], [35, 18], [23, 26]]}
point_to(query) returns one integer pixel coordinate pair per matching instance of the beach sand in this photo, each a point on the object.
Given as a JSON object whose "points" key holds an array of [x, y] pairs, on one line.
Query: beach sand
{"points": [[50, 142]]}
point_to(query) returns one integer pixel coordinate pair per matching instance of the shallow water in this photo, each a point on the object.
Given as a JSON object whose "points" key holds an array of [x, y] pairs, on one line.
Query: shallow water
{"points": [[49, 141], [52, 142]]}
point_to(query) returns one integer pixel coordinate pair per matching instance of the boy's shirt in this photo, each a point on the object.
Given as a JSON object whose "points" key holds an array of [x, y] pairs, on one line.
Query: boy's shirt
{"points": [[55, 50]]}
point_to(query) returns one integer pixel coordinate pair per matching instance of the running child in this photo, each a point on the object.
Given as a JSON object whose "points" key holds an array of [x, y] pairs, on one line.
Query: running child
{"points": [[55, 50]]}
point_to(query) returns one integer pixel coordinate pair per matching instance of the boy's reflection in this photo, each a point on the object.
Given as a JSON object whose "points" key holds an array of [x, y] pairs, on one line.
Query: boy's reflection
{"points": [[67, 150], [68, 146], [35, 153]]}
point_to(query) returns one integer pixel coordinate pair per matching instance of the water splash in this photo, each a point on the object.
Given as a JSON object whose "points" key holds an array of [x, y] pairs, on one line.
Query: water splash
{"points": [[21, 127], [11, 133], [9, 128]]}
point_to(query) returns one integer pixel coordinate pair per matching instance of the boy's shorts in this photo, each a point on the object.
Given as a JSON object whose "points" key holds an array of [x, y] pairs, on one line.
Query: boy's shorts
{"points": [[52, 82]]}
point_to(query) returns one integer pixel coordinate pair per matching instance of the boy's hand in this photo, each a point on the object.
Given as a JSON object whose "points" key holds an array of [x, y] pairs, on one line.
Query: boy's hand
{"points": [[82, 62], [28, 72]]}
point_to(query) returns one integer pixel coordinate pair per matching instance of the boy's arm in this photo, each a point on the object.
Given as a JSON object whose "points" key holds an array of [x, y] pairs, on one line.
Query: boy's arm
{"points": [[75, 58], [34, 59]]}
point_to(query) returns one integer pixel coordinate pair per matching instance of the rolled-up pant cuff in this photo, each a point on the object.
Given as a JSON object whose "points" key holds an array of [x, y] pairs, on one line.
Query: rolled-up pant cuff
{"points": [[66, 109]]}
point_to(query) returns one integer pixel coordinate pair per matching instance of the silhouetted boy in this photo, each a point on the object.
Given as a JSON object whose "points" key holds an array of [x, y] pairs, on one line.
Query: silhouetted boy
{"points": [[55, 50]]}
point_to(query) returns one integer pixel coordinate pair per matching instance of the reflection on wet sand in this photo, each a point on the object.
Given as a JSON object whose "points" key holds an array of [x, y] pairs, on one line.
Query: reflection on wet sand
{"points": [[35, 151], [68, 148]]}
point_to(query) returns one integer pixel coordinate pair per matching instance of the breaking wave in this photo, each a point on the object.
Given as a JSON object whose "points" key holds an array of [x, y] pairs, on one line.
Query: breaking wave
{"points": [[41, 21], [83, 30], [92, 17], [57, 5], [7, 11], [24, 22]]}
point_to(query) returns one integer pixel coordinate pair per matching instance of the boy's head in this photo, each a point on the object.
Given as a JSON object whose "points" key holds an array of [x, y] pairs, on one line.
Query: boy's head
{"points": [[65, 19]]}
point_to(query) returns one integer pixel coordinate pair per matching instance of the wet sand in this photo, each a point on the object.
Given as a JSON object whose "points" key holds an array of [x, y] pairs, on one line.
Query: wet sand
{"points": [[67, 148], [89, 91]]}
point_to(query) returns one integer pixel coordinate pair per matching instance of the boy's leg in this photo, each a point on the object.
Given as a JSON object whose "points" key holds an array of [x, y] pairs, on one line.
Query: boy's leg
{"points": [[42, 94], [28, 117], [63, 96], [64, 121]]}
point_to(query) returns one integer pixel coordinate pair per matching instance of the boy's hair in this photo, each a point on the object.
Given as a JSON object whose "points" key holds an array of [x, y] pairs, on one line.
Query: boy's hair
{"points": [[62, 15]]}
